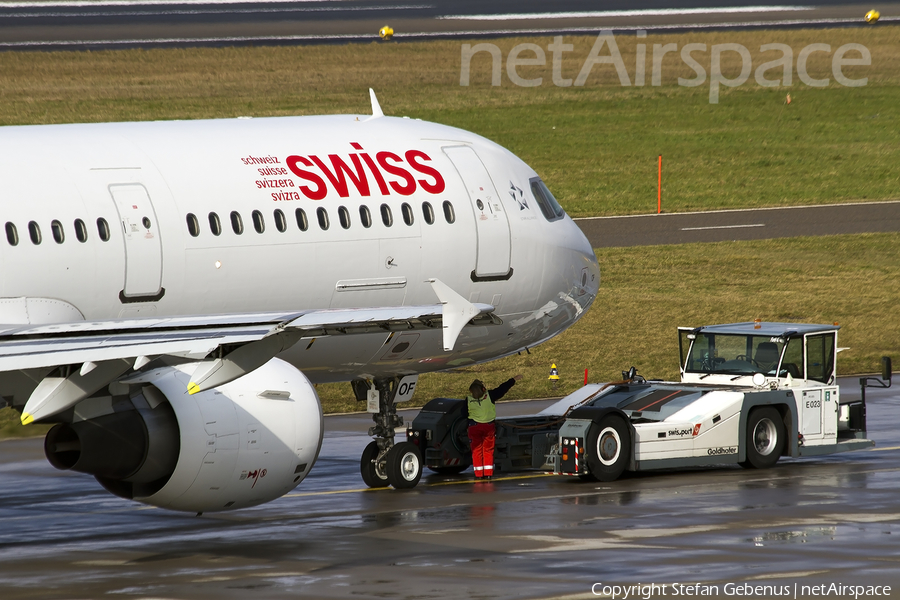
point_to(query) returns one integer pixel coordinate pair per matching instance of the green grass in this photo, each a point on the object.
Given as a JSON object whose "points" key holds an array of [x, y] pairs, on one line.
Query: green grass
{"points": [[597, 148], [595, 145]]}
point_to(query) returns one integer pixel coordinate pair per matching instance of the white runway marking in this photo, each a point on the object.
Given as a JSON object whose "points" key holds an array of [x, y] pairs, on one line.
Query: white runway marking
{"points": [[629, 13], [723, 227]]}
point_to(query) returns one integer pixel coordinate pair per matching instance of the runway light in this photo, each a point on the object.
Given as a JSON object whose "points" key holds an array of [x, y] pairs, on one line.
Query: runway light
{"points": [[386, 32], [872, 16]]}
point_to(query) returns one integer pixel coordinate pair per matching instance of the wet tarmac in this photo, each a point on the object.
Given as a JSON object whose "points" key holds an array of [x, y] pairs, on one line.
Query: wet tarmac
{"points": [[833, 519]]}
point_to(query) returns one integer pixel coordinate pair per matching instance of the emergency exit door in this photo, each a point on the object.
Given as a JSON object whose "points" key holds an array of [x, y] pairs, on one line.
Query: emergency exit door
{"points": [[143, 250], [491, 224]]}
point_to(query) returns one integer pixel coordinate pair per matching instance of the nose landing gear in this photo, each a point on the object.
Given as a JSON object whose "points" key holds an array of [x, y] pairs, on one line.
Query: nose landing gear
{"points": [[383, 462]]}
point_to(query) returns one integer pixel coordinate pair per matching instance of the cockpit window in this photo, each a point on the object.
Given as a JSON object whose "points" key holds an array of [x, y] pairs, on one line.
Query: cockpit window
{"points": [[549, 206], [732, 354]]}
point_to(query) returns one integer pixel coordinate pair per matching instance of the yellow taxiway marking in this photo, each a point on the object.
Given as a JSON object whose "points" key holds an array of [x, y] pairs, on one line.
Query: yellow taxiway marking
{"points": [[460, 482], [883, 449]]}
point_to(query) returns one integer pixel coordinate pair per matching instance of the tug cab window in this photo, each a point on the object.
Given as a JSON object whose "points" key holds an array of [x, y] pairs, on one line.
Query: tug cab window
{"points": [[731, 354], [550, 208], [820, 353], [792, 363]]}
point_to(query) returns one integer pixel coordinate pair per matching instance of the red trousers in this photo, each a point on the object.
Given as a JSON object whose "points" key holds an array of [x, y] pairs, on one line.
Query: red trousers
{"points": [[482, 437]]}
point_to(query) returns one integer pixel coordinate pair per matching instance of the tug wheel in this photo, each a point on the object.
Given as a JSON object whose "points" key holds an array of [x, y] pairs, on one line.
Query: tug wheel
{"points": [[609, 448], [765, 438]]}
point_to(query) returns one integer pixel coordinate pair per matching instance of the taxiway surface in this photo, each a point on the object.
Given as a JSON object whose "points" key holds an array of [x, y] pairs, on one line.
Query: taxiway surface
{"points": [[734, 225], [833, 519], [154, 23]]}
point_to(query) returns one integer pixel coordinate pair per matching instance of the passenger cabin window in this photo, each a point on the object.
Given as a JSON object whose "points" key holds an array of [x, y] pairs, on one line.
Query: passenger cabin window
{"points": [[365, 217], [103, 229], [386, 216], [344, 216], [215, 225], [322, 215], [56, 228], [407, 211], [12, 235], [259, 224], [302, 223], [550, 208], [80, 230], [280, 220], [34, 230], [449, 213], [237, 223], [428, 213], [193, 225]]}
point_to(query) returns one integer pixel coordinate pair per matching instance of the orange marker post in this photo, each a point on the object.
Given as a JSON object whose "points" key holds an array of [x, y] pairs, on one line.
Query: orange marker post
{"points": [[659, 188]]}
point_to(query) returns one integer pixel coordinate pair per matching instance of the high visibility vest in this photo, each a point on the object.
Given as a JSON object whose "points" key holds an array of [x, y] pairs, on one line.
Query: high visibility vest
{"points": [[481, 410]]}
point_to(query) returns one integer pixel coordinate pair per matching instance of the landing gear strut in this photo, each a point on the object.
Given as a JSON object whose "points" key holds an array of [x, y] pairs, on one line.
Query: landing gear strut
{"points": [[383, 462]]}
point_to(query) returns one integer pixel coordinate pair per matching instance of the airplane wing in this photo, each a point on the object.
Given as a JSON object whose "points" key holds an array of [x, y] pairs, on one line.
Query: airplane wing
{"points": [[92, 354]]}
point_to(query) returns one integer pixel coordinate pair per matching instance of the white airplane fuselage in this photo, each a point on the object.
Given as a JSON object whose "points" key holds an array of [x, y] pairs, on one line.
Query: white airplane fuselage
{"points": [[155, 277], [230, 216]]}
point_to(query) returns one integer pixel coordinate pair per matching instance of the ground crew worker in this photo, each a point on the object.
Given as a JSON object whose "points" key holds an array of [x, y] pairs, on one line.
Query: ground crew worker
{"points": [[482, 431]]}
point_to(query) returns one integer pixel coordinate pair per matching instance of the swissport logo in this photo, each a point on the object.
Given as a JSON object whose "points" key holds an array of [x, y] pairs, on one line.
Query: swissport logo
{"points": [[387, 172]]}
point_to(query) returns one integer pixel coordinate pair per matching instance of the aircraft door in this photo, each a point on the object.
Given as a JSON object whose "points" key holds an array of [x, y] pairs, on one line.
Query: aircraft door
{"points": [[143, 250], [491, 224]]}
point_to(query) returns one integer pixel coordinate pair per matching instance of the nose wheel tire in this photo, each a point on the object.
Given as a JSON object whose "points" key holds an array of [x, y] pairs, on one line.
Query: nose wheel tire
{"points": [[765, 438], [373, 475], [609, 448], [403, 465]]}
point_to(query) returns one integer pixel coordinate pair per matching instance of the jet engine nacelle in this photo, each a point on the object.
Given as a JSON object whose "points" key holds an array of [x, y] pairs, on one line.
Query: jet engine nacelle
{"points": [[241, 444]]}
